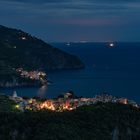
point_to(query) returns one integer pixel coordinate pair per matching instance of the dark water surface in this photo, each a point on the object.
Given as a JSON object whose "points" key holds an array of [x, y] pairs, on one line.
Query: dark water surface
{"points": [[113, 70]]}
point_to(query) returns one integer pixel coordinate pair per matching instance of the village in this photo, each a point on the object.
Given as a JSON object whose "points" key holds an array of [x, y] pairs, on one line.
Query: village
{"points": [[65, 102], [35, 75]]}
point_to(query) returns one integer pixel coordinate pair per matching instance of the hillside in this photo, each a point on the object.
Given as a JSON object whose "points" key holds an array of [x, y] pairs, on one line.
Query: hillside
{"points": [[20, 49], [103, 121]]}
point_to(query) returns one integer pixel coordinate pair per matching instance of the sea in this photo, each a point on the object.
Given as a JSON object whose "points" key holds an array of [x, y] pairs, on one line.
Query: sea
{"points": [[112, 69]]}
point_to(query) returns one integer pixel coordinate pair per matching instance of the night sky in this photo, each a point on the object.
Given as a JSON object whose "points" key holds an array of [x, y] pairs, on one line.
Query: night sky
{"points": [[74, 20]]}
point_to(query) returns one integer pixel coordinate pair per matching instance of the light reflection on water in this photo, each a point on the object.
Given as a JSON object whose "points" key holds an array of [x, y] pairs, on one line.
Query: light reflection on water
{"points": [[42, 91]]}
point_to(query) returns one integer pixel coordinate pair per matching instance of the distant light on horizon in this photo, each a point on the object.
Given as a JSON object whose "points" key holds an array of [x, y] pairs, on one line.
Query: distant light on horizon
{"points": [[111, 44]]}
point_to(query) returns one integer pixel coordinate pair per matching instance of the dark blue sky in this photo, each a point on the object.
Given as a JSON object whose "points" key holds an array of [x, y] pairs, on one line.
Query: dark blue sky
{"points": [[74, 20]]}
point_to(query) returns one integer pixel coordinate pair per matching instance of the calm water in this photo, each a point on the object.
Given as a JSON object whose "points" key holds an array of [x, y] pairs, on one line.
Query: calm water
{"points": [[113, 70]]}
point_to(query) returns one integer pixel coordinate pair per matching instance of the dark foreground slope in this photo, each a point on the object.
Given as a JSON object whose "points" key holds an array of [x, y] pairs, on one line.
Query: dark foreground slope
{"points": [[97, 122], [20, 49]]}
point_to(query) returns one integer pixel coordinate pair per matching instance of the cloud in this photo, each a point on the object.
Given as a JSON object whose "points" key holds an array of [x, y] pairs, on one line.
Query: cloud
{"points": [[69, 7], [54, 15]]}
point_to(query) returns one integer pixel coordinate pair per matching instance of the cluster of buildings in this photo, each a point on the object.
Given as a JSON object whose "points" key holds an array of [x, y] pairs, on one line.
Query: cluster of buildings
{"points": [[109, 98], [36, 75], [65, 102]]}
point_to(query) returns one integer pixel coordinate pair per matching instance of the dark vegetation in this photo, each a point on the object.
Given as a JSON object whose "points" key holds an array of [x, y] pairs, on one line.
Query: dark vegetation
{"points": [[20, 49], [95, 122], [6, 105]]}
